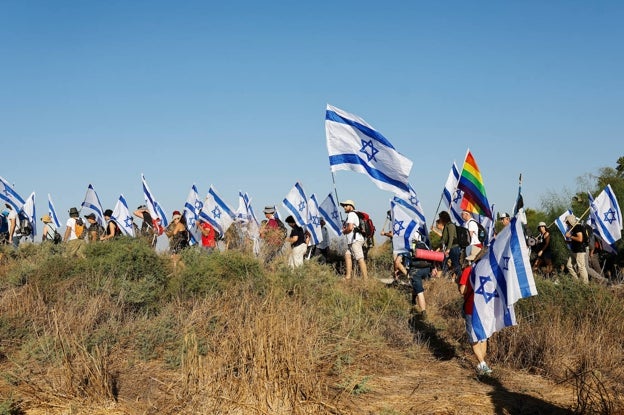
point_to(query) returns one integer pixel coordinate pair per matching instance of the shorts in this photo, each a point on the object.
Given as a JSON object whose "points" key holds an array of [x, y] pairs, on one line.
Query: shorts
{"points": [[416, 277], [469, 331], [355, 249]]}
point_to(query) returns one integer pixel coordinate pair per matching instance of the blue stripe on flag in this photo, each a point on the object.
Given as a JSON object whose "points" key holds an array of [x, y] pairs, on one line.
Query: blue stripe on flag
{"points": [[367, 131], [354, 159]]}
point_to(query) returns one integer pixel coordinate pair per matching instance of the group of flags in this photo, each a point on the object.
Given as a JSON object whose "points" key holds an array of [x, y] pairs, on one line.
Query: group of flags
{"points": [[502, 278]]}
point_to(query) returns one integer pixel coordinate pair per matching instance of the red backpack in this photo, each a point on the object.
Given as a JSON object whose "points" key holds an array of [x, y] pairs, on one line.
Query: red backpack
{"points": [[366, 227]]}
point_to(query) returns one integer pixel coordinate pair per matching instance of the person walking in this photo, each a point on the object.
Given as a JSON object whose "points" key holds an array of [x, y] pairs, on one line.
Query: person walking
{"points": [[355, 241], [297, 240], [577, 255], [451, 248]]}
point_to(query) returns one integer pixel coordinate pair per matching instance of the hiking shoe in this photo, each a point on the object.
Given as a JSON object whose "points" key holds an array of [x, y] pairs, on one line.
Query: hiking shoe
{"points": [[483, 369]]}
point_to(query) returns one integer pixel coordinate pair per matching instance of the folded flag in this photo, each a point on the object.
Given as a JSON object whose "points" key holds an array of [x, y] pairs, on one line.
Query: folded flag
{"points": [[354, 145]]}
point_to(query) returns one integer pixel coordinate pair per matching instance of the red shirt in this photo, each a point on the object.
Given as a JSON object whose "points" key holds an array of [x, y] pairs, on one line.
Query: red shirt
{"points": [[469, 292], [207, 240]]}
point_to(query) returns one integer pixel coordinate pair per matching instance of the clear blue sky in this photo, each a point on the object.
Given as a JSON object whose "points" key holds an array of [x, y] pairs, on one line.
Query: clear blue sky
{"points": [[234, 94]]}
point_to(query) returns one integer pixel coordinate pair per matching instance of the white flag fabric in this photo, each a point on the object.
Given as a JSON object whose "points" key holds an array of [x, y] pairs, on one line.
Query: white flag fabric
{"points": [[412, 203], [297, 204], [500, 279], [52, 212], [217, 212], [153, 207], [192, 207], [329, 210], [122, 217], [606, 215], [9, 195], [560, 222], [92, 202], [314, 220], [29, 210], [354, 145], [452, 195], [247, 218], [404, 227]]}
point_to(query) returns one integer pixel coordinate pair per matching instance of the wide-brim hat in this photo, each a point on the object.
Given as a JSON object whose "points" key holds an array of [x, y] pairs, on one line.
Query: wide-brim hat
{"points": [[539, 225], [90, 216], [269, 210], [73, 212], [348, 202], [46, 219]]}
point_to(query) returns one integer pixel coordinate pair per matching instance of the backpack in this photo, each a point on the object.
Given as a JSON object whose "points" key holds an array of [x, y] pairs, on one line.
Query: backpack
{"points": [[587, 232], [481, 232], [57, 238], [366, 226], [463, 236], [79, 228], [24, 227]]}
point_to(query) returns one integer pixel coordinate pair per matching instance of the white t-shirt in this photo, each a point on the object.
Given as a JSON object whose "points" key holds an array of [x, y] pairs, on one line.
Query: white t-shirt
{"points": [[71, 224], [13, 216], [473, 228], [353, 218]]}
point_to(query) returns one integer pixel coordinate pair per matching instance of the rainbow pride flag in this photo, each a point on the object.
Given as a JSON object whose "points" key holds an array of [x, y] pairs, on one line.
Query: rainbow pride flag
{"points": [[471, 183]]}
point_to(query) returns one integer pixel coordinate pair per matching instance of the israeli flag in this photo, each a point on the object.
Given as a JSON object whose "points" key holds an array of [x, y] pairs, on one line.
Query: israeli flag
{"points": [[29, 210], [123, 218], [247, 217], [192, 207], [314, 220], [92, 202], [499, 280], [10, 196], [404, 227], [52, 212], [297, 204], [154, 209], [560, 222], [354, 145], [217, 212], [412, 203], [453, 196], [606, 215], [331, 214]]}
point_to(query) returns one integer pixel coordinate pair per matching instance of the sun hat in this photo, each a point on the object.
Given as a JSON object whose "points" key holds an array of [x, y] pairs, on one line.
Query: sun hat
{"points": [[269, 210], [90, 216], [348, 202], [542, 224], [73, 212], [46, 219]]}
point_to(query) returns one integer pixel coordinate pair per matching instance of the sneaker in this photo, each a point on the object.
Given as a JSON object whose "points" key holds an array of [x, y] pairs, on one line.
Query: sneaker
{"points": [[483, 369]]}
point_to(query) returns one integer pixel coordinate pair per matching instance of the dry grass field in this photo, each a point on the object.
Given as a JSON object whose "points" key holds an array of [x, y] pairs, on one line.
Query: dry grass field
{"points": [[121, 332]]}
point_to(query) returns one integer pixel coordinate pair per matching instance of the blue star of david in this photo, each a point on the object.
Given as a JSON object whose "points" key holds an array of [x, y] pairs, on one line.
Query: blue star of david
{"points": [[128, 221], [192, 222], [483, 279], [335, 215], [316, 220], [398, 227], [458, 196], [216, 212], [413, 200], [609, 216], [6, 191], [302, 206], [506, 261], [373, 150], [198, 205]]}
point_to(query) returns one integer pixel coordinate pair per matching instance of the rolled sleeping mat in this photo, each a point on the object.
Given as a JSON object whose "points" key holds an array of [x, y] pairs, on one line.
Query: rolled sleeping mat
{"points": [[428, 255]]}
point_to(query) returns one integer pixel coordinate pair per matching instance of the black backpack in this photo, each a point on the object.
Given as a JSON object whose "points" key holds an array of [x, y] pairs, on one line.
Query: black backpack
{"points": [[587, 233], [463, 236], [24, 227]]}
